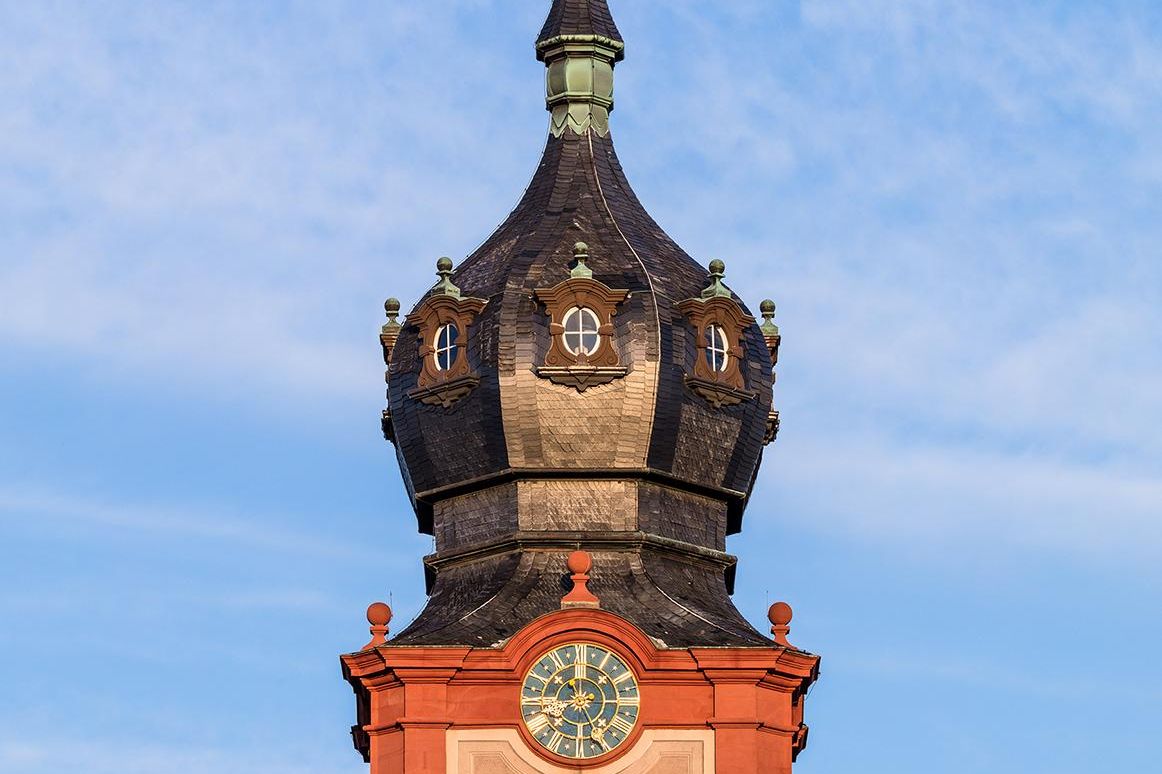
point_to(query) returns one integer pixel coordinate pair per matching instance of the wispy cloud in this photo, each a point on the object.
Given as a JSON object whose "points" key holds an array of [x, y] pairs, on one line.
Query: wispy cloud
{"points": [[895, 492], [18, 506]]}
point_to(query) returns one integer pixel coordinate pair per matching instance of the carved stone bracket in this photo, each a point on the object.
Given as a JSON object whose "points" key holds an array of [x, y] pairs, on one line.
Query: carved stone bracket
{"points": [[772, 428], [717, 394], [799, 740], [387, 424], [719, 323], [446, 375], [580, 377], [445, 394], [572, 362]]}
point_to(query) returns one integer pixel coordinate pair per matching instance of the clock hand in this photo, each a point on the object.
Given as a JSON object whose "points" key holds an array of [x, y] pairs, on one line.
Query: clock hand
{"points": [[595, 733]]}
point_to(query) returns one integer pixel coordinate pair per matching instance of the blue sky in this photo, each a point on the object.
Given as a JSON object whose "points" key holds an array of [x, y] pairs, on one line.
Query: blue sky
{"points": [[955, 204]]}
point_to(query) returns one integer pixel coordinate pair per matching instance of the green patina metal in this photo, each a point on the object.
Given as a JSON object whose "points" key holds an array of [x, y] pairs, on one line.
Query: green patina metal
{"points": [[445, 287], [581, 255], [767, 307], [716, 289], [391, 306], [579, 81]]}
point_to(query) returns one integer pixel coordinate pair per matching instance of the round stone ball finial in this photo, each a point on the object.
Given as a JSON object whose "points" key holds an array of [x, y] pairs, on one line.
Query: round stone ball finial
{"points": [[767, 307], [379, 616], [717, 267], [391, 306], [444, 264], [581, 256], [579, 562], [780, 615]]}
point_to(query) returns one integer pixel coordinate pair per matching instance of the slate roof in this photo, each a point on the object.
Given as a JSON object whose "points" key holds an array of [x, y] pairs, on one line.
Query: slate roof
{"points": [[460, 462], [580, 193], [579, 17], [679, 603]]}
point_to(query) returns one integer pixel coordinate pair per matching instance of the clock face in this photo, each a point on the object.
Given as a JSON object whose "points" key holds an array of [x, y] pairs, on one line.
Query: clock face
{"points": [[580, 701]]}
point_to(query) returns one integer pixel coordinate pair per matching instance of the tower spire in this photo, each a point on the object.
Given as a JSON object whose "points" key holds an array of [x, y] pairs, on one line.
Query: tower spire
{"points": [[580, 17], [579, 45]]}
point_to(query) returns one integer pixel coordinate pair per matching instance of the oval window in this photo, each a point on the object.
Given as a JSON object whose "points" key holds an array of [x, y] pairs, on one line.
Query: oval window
{"points": [[447, 346], [581, 335], [717, 348]]}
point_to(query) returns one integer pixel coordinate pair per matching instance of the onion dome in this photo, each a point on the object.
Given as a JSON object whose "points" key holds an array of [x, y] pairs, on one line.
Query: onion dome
{"points": [[579, 381]]}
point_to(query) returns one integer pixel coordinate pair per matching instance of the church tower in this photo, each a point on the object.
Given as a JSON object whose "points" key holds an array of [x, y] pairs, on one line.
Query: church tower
{"points": [[579, 410]]}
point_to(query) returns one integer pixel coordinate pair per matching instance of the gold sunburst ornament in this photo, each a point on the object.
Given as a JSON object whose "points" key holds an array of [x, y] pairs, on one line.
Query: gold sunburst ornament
{"points": [[580, 701]]}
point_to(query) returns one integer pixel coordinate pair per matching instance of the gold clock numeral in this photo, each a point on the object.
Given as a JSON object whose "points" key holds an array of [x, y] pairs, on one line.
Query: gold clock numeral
{"points": [[537, 723], [620, 724]]}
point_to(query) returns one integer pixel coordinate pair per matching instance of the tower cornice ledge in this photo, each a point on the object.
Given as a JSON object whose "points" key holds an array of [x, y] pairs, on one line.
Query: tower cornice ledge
{"points": [[598, 540], [425, 500]]}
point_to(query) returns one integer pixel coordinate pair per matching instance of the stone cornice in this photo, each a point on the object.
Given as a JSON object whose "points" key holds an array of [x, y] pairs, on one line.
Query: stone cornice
{"points": [[601, 540]]}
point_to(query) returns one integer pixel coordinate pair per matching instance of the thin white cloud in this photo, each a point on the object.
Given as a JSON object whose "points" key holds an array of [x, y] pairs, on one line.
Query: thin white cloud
{"points": [[920, 494], [21, 505]]}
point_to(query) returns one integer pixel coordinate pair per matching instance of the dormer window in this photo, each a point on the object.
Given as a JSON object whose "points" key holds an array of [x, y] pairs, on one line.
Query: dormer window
{"points": [[582, 351], [446, 347], [443, 323], [582, 331], [719, 324], [717, 348]]}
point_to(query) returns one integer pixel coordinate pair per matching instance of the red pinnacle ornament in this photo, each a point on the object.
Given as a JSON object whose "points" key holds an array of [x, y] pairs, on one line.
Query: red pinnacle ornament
{"points": [[379, 616], [780, 616], [579, 564]]}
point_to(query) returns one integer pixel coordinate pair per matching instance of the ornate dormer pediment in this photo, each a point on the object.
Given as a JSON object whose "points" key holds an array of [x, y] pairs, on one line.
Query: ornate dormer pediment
{"points": [[719, 323], [581, 352], [442, 322]]}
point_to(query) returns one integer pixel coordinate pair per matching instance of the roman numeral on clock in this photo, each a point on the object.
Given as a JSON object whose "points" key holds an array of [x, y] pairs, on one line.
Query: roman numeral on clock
{"points": [[537, 724], [621, 725]]}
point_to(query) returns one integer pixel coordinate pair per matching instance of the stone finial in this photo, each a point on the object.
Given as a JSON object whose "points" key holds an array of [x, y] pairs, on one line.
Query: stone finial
{"points": [[389, 333], [767, 307], [391, 307], [780, 617], [716, 288], [581, 255], [379, 616], [770, 330], [445, 287], [579, 564]]}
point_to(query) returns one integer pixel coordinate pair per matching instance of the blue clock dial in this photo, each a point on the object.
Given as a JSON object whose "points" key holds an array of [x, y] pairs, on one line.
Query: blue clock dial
{"points": [[580, 701]]}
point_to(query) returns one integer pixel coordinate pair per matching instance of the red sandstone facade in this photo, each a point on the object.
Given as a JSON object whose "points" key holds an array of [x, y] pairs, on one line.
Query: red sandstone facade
{"points": [[703, 710]]}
